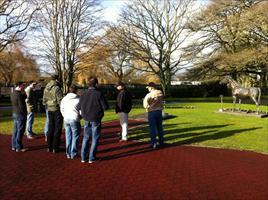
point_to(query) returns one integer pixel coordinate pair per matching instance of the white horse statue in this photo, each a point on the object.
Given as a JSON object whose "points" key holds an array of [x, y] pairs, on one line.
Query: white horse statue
{"points": [[239, 92]]}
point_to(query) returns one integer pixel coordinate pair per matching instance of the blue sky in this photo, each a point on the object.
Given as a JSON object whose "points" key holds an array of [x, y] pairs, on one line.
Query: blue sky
{"points": [[112, 9]]}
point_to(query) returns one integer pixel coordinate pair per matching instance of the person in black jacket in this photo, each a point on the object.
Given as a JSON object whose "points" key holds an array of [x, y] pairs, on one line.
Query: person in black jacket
{"points": [[123, 107], [19, 116], [92, 104]]}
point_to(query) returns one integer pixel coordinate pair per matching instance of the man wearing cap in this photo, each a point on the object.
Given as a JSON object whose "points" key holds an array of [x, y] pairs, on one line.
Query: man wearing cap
{"points": [[51, 99], [123, 107], [19, 112], [30, 109], [153, 103]]}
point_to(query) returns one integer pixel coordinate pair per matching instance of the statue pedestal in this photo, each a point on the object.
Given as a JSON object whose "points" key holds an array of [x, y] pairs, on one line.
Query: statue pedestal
{"points": [[243, 112]]}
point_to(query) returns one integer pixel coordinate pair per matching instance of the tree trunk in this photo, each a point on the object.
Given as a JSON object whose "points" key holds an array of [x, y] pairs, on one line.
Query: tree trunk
{"points": [[264, 79], [165, 79]]}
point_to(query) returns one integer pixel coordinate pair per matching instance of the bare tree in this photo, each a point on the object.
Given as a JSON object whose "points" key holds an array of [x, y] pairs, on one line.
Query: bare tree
{"points": [[64, 27], [155, 33], [15, 17]]}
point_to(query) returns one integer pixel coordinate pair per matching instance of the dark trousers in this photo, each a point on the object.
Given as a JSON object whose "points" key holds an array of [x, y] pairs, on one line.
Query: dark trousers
{"points": [[54, 130], [155, 124]]}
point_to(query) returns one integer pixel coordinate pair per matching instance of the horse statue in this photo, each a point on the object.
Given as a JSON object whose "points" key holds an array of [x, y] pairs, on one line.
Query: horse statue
{"points": [[239, 92]]}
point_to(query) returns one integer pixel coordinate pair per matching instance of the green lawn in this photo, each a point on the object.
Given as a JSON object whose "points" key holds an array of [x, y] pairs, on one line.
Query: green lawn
{"points": [[200, 126]]}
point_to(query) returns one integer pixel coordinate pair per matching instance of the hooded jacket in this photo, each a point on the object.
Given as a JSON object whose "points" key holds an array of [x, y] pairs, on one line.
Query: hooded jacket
{"points": [[69, 107], [153, 100], [52, 96]]}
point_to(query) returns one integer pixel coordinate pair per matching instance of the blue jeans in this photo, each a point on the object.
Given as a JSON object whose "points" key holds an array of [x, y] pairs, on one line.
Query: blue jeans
{"points": [[18, 131], [155, 124], [29, 123], [72, 133], [46, 124], [91, 129]]}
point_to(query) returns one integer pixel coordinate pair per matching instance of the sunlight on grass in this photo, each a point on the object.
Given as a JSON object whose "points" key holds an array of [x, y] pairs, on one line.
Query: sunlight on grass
{"points": [[202, 126]]}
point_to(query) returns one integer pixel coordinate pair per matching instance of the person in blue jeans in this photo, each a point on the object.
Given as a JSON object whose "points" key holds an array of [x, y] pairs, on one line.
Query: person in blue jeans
{"points": [[92, 104], [46, 125], [19, 111], [153, 103], [70, 112]]}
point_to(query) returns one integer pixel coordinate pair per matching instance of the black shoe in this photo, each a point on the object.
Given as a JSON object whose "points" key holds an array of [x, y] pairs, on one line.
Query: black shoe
{"points": [[162, 145]]}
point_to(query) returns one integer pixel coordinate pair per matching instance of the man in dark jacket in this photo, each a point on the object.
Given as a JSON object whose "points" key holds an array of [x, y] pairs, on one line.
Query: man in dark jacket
{"points": [[123, 107], [92, 104], [19, 115], [51, 99]]}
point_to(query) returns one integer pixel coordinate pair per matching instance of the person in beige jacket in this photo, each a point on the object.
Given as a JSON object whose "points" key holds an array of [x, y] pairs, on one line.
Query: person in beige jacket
{"points": [[30, 109], [153, 103]]}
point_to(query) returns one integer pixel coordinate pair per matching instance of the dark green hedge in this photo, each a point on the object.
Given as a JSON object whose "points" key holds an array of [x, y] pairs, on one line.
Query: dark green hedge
{"points": [[209, 89]]}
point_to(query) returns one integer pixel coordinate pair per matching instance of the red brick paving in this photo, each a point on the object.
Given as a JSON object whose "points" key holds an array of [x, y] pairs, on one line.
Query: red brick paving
{"points": [[132, 171]]}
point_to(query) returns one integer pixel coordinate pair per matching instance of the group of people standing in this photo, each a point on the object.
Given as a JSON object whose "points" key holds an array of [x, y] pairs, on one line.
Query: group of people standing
{"points": [[90, 106]]}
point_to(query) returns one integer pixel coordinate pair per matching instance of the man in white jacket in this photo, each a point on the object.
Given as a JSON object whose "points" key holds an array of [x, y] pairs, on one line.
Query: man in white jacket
{"points": [[153, 103], [70, 112]]}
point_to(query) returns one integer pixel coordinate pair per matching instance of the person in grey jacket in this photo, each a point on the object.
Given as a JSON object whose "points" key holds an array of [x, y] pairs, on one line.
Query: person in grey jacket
{"points": [[51, 99]]}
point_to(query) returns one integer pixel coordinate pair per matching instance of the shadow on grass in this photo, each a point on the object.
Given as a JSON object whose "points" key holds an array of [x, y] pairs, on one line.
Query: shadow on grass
{"points": [[176, 131], [212, 132], [215, 136]]}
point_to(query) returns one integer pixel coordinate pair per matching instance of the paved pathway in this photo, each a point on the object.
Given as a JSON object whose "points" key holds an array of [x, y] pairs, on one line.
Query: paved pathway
{"points": [[132, 171]]}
